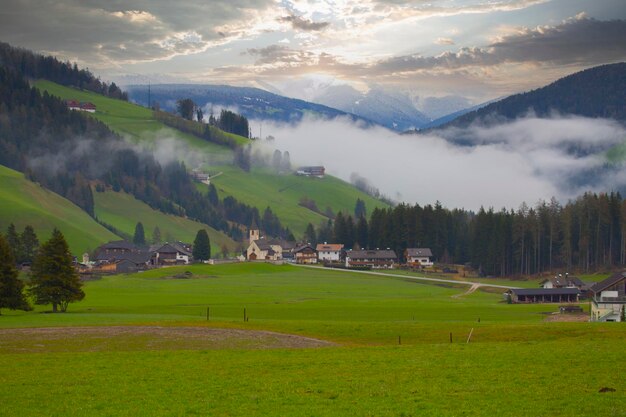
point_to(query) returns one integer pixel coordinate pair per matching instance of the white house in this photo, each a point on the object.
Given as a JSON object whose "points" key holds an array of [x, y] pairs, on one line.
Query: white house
{"points": [[329, 252], [609, 298], [419, 256]]}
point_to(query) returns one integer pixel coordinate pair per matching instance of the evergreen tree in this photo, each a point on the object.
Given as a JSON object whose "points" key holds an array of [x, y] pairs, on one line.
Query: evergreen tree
{"points": [[309, 235], [212, 195], [361, 233], [11, 288], [359, 209], [156, 235], [30, 244], [185, 108], [14, 242], [53, 277], [139, 238], [202, 246]]}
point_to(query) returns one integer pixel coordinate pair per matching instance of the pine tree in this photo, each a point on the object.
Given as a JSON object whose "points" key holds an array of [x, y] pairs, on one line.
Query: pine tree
{"points": [[14, 242], [309, 235], [359, 209], [54, 279], [139, 238], [156, 235], [11, 288], [30, 244], [202, 246]]}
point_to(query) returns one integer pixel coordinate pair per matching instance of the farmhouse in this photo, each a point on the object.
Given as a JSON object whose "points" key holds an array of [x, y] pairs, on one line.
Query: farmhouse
{"points": [[417, 257], [567, 281], [170, 254], [544, 295], [608, 301], [121, 257], [199, 176], [80, 106], [330, 252], [371, 258], [314, 171], [305, 254]]}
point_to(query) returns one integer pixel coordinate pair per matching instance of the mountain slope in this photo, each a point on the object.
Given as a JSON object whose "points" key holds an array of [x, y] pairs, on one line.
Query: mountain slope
{"points": [[394, 111], [23, 202], [258, 188], [598, 92], [123, 211], [253, 103]]}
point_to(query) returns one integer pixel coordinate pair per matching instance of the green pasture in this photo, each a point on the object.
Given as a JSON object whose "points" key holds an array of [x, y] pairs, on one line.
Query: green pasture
{"points": [[513, 365], [261, 188], [23, 202], [123, 211]]}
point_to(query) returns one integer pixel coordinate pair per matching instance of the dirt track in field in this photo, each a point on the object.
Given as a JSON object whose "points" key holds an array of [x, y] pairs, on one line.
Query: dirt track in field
{"points": [[132, 338]]}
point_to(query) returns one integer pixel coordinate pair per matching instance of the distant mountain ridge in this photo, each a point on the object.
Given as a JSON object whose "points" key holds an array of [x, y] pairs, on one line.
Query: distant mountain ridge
{"points": [[254, 103], [598, 92]]}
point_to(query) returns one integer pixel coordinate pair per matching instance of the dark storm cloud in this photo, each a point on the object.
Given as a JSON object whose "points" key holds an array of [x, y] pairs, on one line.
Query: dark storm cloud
{"points": [[300, 23]]}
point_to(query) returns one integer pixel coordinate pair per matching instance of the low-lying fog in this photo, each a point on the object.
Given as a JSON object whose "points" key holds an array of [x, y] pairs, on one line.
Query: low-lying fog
{"points": [[523, 160]]}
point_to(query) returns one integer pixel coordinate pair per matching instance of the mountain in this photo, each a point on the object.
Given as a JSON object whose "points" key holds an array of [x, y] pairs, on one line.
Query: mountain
{"points": [[394, 111], [598, 92], [253, 103]]}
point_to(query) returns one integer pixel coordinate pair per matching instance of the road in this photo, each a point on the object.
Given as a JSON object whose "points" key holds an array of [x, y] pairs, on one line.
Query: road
{"points": [[410, 277]]}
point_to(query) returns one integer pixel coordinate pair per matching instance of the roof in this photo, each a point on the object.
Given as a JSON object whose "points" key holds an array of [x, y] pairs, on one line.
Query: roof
{"points": [[303, 247], [372, 254], [564, 281], [329, 247], [140, 257], [119, 244], [173, 248], [612, 280], [415, 252], [545, 291]]}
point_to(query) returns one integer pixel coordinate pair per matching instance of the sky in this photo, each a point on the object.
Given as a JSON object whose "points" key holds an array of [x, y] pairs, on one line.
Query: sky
{"points": [[478, 49]]}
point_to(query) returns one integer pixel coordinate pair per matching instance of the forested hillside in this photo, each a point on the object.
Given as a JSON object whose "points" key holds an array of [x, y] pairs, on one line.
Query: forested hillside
{"points": [[595, 92]]}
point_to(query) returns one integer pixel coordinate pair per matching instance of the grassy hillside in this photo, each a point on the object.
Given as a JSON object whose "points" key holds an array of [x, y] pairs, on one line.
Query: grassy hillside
{"points": [[259, 188], [123, 211], [512, 366], [23, 202], [262, 188]]}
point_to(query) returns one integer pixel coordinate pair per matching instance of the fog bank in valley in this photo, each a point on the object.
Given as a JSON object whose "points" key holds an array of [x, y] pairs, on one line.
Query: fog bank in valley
{"points": [[499, 166]]}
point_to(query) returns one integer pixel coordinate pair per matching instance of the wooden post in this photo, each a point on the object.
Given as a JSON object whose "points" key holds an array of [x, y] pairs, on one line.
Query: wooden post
{"points": [[244, 314], [399, 340], [470, 335], [450, 337], [207, 313]]}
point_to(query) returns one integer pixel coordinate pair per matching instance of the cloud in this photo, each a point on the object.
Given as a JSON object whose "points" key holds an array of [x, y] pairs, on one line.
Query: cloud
{"points": [[300, 23], [115, 32], [525, 160], [282, 55], [444, 41]]}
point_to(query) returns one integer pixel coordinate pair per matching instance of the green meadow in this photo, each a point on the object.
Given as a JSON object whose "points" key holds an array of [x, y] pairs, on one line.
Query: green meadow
{"points": [[513, 365], [123, 211], [23, 202], [259, 188]]}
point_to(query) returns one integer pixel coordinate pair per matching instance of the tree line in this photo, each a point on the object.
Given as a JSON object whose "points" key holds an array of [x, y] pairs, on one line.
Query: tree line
{"points": [[586, 234], [38, 66]]}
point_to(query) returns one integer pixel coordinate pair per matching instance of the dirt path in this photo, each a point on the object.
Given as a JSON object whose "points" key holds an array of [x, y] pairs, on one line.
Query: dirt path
{"points": [[471, 289], [125, 338]]}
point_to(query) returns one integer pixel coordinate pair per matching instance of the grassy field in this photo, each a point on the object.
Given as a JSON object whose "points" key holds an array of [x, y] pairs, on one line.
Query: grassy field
{"points": [[259, 188], [23, 202], [282, 193], [513, 366], [123, 211]]}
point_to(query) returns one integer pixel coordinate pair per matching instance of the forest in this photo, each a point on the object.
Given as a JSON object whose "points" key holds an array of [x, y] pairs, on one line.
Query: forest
{"points": [[586, 234]]}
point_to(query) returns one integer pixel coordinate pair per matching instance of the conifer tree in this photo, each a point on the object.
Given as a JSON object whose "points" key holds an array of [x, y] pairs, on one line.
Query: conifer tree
{"points": [[139, 238], [53, 277], [202, 246], [14, 242], [11, 288], [30, 244], [156, 235]]}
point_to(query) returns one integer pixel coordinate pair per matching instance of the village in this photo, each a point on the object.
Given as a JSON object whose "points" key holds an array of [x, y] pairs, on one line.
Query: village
{"points": [[607, 298]]}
